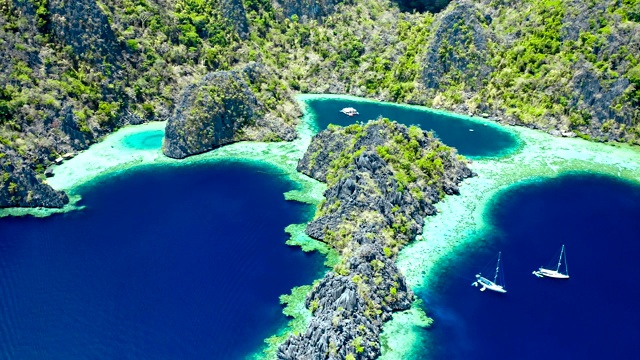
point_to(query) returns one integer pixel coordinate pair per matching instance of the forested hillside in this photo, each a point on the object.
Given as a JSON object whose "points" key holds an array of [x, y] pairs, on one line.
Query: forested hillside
{"points": [[74, 71], [568, 66]]}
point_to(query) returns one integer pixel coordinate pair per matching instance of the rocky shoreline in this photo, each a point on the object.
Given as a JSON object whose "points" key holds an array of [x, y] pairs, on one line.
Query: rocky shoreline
{"points": [[247, 103], [383, 179]]}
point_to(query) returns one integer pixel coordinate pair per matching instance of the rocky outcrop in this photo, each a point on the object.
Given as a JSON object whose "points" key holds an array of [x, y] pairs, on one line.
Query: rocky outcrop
{"points": [[225, 107], [343, 321], [594, 98], [234, 12], [458, 50], [577, 16], [19, 186], [382, 180], [82, 25], [70, 127], [354, 190]]}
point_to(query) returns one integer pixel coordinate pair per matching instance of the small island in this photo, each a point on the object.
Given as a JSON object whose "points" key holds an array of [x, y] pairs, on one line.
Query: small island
{"points": [[383, 179]]}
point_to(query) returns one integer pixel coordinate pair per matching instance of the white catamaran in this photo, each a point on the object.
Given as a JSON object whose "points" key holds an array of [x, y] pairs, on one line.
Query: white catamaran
{"points": [[350, 111], [488, 284], [542, 272]]}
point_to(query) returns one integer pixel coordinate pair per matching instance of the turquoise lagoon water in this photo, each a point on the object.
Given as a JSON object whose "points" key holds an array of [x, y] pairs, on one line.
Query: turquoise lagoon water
{"points": [[471, 138], [145, 140]]}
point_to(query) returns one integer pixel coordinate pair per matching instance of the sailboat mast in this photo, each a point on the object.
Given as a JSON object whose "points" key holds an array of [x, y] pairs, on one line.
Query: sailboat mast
{"points": [[566, 265], [560, 258], [495, 278]]}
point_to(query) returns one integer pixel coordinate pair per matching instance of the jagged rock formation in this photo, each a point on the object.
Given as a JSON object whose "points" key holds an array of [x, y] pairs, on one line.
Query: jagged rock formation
{"points": [[234, 12], [73, 71], [19, 186], [592, 98], [82, 25], [556, 67], [382, 180], [223, 108], [458, 52]]}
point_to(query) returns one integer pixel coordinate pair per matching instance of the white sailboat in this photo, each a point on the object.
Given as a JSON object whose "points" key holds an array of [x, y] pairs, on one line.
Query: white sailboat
{"points": [[488, 284], [556, 274]]}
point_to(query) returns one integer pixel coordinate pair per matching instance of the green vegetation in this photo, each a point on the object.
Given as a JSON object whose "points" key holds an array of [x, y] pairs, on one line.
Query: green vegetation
{"points": [[417, 161], [527, 70], [357, 344], [568, 65]]}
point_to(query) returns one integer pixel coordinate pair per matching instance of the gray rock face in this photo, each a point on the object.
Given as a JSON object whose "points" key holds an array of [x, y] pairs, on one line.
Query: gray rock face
{"points": [[350, 305], [210, 114], [77, 138], [458, 49], [19, 186], [577, 16], [234, 11], [337, 323], [84, 26], [592, 95], [221, 109]]}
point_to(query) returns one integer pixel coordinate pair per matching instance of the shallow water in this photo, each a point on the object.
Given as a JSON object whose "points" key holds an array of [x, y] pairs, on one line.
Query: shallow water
{"points": [[471, 138], [145, 140], [592, 315], [163, 263]]}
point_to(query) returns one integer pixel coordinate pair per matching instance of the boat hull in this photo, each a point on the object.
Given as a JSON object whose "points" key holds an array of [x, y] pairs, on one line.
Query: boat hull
{"points": [[349, 111], [552, 274], [488, 284]]}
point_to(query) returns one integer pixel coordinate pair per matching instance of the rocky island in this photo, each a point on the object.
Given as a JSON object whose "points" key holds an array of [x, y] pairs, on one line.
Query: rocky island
{"points": [[383, 179], [229, 106]]}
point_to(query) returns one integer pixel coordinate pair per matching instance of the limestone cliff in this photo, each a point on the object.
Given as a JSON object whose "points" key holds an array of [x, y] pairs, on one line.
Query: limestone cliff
{"points": [[567, 67], [19, 186], [222, 108], [73, 71], [382, 180], [458, 51]]}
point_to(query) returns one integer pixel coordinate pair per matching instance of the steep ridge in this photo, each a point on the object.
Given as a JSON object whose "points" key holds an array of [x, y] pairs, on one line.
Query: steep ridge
{"points": [[76, 71], [458, 51], [382, 179], [223, 108]]}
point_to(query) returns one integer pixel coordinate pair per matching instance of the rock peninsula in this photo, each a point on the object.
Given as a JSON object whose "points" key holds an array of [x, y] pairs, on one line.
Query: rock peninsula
{"points": [[230, 106], [382, 180]]}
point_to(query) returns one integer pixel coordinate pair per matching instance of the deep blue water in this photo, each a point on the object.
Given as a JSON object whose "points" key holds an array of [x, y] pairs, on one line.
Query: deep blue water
{"points": [[469, 137], [164, 263], [592, 315]]}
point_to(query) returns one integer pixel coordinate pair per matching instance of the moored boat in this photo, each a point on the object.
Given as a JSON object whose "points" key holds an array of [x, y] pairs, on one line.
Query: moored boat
{"points": [[488, 284], [556, 274], [350, 111]]}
